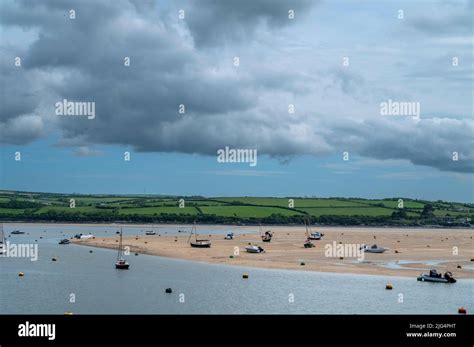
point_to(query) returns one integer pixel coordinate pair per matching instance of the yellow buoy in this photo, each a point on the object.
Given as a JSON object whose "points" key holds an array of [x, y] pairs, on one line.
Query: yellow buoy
{"points": [[389, 286]]}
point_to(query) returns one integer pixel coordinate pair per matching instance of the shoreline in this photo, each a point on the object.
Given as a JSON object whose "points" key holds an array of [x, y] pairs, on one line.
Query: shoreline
{"points": [[214, 226], [409, 252]]}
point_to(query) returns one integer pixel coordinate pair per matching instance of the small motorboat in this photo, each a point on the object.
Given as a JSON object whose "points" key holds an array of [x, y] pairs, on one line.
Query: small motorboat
{"points": [[373, 249], [17, 232], [64, 242], [316, 236], [309, 244], [229, 236], [434, 276], [254, 249], [267, 237], [77, 236], [88, 236], [150, 232]]}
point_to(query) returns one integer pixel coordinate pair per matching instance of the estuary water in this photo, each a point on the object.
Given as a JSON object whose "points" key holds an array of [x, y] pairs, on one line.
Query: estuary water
{"points": [[84, 282]]}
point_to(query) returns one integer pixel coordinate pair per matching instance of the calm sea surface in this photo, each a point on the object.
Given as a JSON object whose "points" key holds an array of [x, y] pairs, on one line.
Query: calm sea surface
{"points": [[197, 288]]}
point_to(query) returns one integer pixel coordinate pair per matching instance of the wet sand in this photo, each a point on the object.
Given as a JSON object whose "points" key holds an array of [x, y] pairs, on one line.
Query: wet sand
{"points": [[413, 249]]}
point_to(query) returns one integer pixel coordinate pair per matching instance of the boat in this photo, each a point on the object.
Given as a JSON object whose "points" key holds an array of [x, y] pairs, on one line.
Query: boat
{"points": [[77, 236], [373, 249], [198, 243], [434, 276], [309, 244], [64, 242], [88, 236], [150, 232], [17, 232], [267, 237], [254, 249], [312, 235], [121, 263], [229, 236], [2, 241]]}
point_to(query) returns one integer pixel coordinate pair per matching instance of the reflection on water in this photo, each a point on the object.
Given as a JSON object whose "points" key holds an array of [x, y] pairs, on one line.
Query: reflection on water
{"points": [[197, 287]]}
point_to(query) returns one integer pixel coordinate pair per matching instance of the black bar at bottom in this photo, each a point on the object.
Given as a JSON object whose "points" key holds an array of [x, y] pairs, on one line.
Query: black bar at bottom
{"points": [[237, 329]]}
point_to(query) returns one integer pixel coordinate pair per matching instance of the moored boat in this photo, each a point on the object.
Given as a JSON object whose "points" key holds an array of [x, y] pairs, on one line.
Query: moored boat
{"points": [[17, 232], [373, 249], [254, 249], [198, 243], [121, 263], [435, 276]]}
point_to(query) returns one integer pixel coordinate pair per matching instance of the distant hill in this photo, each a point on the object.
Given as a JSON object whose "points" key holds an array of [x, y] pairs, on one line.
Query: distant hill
{"points": [[34, 206]]}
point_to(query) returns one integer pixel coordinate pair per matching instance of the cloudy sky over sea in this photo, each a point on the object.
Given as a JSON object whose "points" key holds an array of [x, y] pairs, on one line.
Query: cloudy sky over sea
{"points": [[333, 63]]}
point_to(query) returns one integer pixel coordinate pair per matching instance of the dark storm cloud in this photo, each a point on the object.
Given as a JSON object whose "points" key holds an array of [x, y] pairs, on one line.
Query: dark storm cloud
{"points": [[214, 22], [183, 62]]}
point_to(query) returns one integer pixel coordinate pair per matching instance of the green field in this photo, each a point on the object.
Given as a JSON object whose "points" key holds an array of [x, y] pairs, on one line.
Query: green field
{"points": [[44, 206]]}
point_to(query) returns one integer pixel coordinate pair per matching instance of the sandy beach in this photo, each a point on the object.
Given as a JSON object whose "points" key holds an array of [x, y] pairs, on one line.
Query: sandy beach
{"points": [[409, 250]]}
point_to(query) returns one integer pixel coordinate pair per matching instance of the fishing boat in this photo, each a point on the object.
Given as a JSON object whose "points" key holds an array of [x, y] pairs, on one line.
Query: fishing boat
{"points": [[121, 263], [64, 242], [435, 276], [2, 241], [17, 232], [198, 243], [373, 249], [254, 249]]}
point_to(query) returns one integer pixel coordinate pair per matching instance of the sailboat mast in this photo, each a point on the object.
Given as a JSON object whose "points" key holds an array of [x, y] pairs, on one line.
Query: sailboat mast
{"points": [[120, 246]]}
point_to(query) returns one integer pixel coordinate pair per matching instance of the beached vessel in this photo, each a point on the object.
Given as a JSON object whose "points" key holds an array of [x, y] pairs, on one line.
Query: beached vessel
{"points": [[373, 249], [310, 234], [229, 236], [434, 276], [88, 236], [121, 263], [2, 241], [198, 243], [254, 249], [64, 242], [308, 244]]}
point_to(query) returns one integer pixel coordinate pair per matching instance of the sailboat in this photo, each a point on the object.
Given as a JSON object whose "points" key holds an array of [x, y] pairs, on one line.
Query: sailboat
{"points": [[312, 236], [2, 241], [308, 243], [121, 263], [198, 243], [267, 237]]}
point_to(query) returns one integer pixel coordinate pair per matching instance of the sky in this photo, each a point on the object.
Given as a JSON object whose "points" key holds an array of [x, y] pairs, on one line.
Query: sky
{"points": [[333, 62]]}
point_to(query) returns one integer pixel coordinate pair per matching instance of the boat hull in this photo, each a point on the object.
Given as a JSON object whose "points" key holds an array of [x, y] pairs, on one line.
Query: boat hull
{"points": [[426, 278], [122, 266], [200, 245]]}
